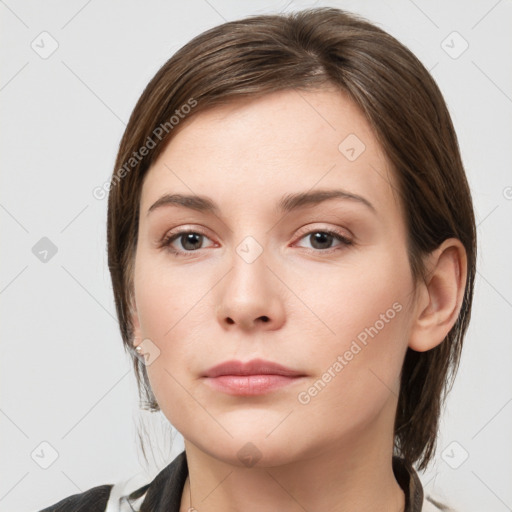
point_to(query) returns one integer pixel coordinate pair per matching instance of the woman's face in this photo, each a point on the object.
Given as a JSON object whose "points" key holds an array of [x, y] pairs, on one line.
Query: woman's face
{"points": [[322, 287]]}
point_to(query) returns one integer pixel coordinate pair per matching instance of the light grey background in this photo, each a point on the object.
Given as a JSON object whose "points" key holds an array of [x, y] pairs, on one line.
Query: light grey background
{"points": [[65, 379]]}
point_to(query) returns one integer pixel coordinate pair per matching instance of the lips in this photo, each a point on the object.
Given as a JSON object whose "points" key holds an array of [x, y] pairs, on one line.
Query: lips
{"points": [[256, 377], [253, 367]]}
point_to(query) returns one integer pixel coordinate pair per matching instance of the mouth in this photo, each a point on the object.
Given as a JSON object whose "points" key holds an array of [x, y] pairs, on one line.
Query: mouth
{"points": [[255, 377]]}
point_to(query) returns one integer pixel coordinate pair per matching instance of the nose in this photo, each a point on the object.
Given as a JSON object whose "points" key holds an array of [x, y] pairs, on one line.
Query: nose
{"points": [[251, 296]]}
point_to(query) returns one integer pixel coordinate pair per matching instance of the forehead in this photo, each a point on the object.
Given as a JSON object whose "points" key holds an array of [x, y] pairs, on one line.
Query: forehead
{"points": [[258, 148]]}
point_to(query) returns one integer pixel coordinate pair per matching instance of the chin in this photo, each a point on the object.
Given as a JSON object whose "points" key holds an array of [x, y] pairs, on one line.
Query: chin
{"points": [[253, 449]]}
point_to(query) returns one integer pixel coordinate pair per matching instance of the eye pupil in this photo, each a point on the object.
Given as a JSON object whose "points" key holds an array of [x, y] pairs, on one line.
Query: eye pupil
{"points": [[189, 239], [321, 238]]}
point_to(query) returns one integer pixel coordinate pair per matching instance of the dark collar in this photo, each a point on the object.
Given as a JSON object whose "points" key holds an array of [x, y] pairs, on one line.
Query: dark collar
{"points": [[163, 493]]}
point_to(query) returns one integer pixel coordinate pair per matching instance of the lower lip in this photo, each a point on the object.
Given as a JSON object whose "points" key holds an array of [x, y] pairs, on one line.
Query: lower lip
{"points": [[247, 385]]}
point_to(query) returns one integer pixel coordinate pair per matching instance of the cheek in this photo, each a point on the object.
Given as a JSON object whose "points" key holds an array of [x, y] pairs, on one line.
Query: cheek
{"points": [[368, 294], [162, 311], [366, 314], [171, 311], [165, 296]]}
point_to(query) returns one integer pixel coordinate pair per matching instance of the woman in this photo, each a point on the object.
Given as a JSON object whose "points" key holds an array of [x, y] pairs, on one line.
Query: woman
{"points": [[291, 241]]}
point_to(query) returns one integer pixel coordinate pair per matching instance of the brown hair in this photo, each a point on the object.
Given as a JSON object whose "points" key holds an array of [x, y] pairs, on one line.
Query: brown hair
{"points": [[304, 50]]}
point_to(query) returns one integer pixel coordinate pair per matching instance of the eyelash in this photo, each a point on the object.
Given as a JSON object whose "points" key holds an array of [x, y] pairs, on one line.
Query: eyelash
{"points": [[169, 239]]}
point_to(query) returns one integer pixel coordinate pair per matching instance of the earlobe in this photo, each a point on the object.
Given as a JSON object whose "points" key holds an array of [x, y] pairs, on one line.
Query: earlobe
{"points": [[440, 298]]}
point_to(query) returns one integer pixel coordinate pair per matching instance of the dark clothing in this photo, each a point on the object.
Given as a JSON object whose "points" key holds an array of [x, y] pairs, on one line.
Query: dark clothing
{"points": [[163, 493], [93, 500]]}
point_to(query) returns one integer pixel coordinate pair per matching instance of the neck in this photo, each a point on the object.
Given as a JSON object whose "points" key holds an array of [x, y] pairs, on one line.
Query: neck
{"points": [[352, 474]]}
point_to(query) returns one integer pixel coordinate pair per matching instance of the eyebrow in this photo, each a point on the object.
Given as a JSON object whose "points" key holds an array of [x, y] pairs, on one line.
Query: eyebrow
{"points": [[287, 203]]}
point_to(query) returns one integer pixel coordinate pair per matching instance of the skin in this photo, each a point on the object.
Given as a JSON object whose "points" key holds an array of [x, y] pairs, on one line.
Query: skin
{"points": [[206, 307]]}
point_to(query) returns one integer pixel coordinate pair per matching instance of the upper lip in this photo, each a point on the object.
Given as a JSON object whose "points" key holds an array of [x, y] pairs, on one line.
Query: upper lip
{"points": [[253, 367]]}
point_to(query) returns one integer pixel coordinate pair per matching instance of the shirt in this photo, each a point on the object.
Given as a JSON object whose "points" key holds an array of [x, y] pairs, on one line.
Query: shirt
{"points": [[163, 493]]}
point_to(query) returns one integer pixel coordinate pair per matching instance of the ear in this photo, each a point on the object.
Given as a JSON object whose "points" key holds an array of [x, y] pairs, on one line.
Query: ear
{"points": [[439, 296]]}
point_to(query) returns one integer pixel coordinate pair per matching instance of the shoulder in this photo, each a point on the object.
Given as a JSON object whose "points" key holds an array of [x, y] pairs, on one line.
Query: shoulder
{"points": [[93, 500], [163, 493]]}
